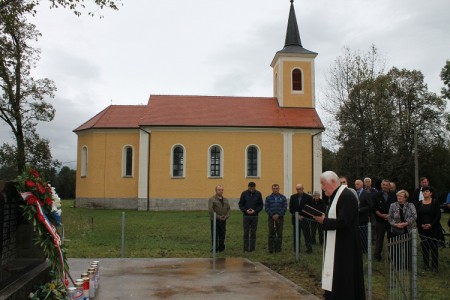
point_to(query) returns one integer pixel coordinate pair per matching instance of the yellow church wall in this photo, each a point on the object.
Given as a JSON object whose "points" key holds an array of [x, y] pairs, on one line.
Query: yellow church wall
{"points": [[104, 167], [302, 167], [196, 183], [297, 98]]}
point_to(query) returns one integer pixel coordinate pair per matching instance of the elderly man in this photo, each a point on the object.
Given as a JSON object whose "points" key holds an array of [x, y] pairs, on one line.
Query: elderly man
{"points": [[219, 204], [297, 203], [363, 212], [382, 200], [342, 271]]}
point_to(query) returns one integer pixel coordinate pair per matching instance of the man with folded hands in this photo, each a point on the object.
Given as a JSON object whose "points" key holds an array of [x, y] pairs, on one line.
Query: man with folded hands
{"points": [[297, 203]]}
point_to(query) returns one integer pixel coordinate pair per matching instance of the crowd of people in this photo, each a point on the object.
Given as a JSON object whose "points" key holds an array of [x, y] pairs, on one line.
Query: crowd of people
{"points": [[341, 221], [276, 206]]}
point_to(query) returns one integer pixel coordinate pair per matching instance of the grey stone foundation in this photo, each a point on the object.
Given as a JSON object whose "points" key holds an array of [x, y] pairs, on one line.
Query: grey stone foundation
{"points": [[152, 204]]}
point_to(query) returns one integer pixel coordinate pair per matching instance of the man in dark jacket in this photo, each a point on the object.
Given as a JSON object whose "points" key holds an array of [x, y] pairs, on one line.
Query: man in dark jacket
{"points": [[364, 200], [382, 200], [250, 204], [297, 203], [276, 206], [319, 205], [418, 195]]}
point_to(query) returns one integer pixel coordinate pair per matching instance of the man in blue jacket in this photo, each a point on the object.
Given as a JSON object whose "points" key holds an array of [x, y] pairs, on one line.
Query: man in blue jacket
{"points": [[276, 206], [250, 204]]}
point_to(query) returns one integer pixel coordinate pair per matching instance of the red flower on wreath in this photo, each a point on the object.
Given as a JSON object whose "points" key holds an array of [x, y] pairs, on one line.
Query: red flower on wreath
{"points": [[49, 201], [34, 173], [30, 184], [31, 199], [40, 188]]}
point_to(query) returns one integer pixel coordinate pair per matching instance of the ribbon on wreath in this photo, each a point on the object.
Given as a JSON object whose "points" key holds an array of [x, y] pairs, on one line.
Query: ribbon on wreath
{"points": [[52, 230]]}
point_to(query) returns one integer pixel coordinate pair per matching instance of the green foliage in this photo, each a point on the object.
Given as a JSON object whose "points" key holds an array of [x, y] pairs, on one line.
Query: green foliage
{"points": [[76, 6], [329, 161], [37, 153], [65, 183], [376, 115], [22, 97], [445, 77], [53, 290], [37, 193]]}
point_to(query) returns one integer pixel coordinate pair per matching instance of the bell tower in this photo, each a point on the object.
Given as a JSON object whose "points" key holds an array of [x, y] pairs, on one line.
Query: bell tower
{"points": [[293, 69]]}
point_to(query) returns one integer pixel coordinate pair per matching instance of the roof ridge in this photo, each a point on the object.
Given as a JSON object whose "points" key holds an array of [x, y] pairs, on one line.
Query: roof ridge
{"points": [[211, 96], [98, 116]]}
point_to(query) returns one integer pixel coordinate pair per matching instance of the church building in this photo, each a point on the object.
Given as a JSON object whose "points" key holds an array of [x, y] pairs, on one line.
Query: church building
{"points": [[171, 153]]}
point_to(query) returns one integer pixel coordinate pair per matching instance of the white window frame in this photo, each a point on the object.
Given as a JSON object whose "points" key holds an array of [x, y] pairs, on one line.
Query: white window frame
{"points": [[303, 81], [258, 162], [124, 161], [184, 161], [221, 162], [84, 161]]}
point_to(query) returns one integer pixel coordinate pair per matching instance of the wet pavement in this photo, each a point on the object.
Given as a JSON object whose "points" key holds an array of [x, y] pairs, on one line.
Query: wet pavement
{"points": [[188, 278]]}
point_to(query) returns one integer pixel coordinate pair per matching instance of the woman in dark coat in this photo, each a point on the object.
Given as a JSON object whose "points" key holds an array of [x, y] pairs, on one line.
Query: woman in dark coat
{"points": [[428, 223]]}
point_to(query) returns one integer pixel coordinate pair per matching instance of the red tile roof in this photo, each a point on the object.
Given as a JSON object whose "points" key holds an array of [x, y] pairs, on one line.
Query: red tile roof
{"points": [[115, 116], [205, 111]]}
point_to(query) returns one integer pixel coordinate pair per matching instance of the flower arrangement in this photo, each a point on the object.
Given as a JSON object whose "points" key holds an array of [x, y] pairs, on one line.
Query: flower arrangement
{"points": [[54, 289], [42, 208]]}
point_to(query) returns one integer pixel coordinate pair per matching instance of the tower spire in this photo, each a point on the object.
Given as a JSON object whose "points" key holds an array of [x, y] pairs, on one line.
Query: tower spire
{"points": [[293, 43], [292, 32]]}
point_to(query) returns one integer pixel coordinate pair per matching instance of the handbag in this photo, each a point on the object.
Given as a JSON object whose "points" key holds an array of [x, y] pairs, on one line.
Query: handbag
{"points": [[397, 231]]}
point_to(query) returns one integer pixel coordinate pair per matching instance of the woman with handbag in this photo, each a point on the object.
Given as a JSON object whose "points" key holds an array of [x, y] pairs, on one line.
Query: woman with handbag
{"points": [[429, 224], [402, 217]]}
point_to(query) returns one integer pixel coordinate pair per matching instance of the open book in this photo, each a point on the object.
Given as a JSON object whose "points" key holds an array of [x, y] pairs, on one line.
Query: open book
{"points": [[312, 211]]}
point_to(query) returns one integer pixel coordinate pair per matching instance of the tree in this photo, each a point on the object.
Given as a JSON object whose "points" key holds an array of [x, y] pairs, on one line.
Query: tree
{"points": [[328, 159], [376, 115], [65, 183], [445, 77], [416, 109], [351, 101], [22, 98], [38, 154], [75, 5]]}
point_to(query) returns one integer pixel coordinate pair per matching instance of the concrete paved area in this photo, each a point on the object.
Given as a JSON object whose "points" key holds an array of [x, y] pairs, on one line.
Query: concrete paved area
{"points": [[188, 278]]}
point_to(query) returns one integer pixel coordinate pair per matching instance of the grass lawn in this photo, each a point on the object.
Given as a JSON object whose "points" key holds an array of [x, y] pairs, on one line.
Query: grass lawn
{"points": [[95, 233]]}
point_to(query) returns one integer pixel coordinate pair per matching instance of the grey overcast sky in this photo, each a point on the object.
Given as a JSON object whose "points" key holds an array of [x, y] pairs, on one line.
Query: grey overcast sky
{"points": [[204, 47]]}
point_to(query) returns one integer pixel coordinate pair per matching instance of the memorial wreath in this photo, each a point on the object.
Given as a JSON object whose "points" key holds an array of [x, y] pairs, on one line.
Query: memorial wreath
{"points": [[42, 209]]}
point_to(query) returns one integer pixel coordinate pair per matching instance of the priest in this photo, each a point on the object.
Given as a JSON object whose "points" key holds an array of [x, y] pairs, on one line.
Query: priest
{"points": [[342, 270]]}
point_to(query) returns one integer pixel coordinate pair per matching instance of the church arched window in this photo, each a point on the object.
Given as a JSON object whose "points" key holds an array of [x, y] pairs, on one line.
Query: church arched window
{"points": [[178, 161], [297, 80]]}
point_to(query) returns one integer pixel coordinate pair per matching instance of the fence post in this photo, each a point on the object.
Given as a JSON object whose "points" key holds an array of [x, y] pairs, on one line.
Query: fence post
{"points": [[214, 234], [414, 262], [123, 234], [369, 261], [296, 224]]}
